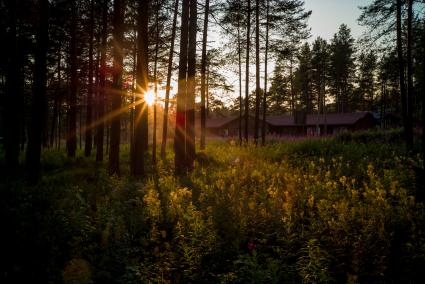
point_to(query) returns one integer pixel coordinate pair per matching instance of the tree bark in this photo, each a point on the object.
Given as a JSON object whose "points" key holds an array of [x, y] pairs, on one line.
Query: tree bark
{"points": [[263, 128], [240, 73], [410, 110], [39, 99], [13, 96], [71, 140], [118, 37], [257, 71], [180, 131], [155, 80], [191, 87], [137, 159], [100, 130], [401, 74], [203, 73], [168, 87], [89, 111], [56, 106], [248, 36]]}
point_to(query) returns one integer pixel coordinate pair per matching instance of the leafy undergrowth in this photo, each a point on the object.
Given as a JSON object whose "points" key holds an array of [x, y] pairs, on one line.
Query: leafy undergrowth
{"points": [[310, 211]]}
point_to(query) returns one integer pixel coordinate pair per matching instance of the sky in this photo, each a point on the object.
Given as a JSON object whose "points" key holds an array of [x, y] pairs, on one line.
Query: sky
{"points": [[328, 15]]}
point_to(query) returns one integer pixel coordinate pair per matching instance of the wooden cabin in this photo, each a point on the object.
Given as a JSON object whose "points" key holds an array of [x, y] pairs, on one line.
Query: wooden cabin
{"points": [[298, 125]]}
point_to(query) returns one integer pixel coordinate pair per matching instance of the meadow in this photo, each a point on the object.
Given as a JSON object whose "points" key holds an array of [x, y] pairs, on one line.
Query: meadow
{"points": [[344, 209]]}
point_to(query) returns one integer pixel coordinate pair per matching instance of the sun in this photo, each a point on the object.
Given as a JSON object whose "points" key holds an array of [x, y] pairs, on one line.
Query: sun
{"points": [[150, 97]]}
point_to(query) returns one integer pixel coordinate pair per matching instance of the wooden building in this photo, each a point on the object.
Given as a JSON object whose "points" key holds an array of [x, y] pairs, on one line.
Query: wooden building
{"points": [[321, 124], [297, 125]]}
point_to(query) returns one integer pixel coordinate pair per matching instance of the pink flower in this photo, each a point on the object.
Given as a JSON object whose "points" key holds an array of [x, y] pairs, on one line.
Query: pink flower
{"points": [[251, 246]]}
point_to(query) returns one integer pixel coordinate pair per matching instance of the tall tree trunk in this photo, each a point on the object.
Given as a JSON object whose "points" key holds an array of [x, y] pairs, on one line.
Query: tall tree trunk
{"points": [[155, 80], [180, 131], [423, 97], [118, 37], [191, 87], [100, 130], [203, 72], [168, 87], [248, 41], [291, 75], [240, 73], [53, 128], [401, 73], [409, 107], [71, 140], [137, 159], [257, 71], [89, 110], [263, 128], [14, 97], [133, 98], [39, 98]]}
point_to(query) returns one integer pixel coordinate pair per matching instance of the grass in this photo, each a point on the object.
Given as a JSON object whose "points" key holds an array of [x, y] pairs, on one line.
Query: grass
{"points": [[333, 210]]}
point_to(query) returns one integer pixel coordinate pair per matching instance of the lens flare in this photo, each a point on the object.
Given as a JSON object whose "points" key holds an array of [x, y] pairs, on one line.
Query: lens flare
{"points": [[150, 97]]}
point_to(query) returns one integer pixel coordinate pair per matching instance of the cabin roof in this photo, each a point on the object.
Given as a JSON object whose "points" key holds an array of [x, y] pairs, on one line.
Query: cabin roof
{"points": [[288, 120], [314, 119]]}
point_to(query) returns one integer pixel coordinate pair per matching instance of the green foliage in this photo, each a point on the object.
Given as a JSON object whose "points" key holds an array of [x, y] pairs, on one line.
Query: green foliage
{"points": [[309, 211]]}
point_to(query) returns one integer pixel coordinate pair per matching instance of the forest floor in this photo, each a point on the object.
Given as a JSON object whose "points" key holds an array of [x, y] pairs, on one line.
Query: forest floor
{"points": [[344, 209]]}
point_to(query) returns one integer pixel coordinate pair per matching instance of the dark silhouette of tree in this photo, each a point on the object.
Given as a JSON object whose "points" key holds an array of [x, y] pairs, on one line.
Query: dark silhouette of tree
{"points": [[100, 130], [409, 103], [248, 44], [39, 93], [117, 70], [342, 67], [89, 109], [140, 118], [303, 75], [319, 70], [71, 140], [180, 131], [191, 87], [203, 73], [366, 81], [168, 84], [13, 89], [263, 127], [257, 71]]}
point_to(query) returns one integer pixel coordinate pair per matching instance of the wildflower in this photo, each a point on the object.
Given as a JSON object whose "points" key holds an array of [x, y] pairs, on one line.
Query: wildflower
{"points": [[251, 246]]}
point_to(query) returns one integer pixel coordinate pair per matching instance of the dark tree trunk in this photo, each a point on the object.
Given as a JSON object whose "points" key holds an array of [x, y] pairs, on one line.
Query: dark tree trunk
{"points": [[168, 87], [401, 74], [257, 71], [292, 87], [191, 86], [133, 98], [14, 97], [55, 105], [39, 98], [410, 109], [118, 37], [263, 128], [155, 80], [423, 97], [248, 41], [203, 73], [89, 110], [100, 130], [240, 73], [71, 140], [180, 131], [137, 159]]}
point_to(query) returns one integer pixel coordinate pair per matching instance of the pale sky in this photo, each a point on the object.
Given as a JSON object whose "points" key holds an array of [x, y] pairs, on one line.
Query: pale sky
{"points": [[328, 15]]}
